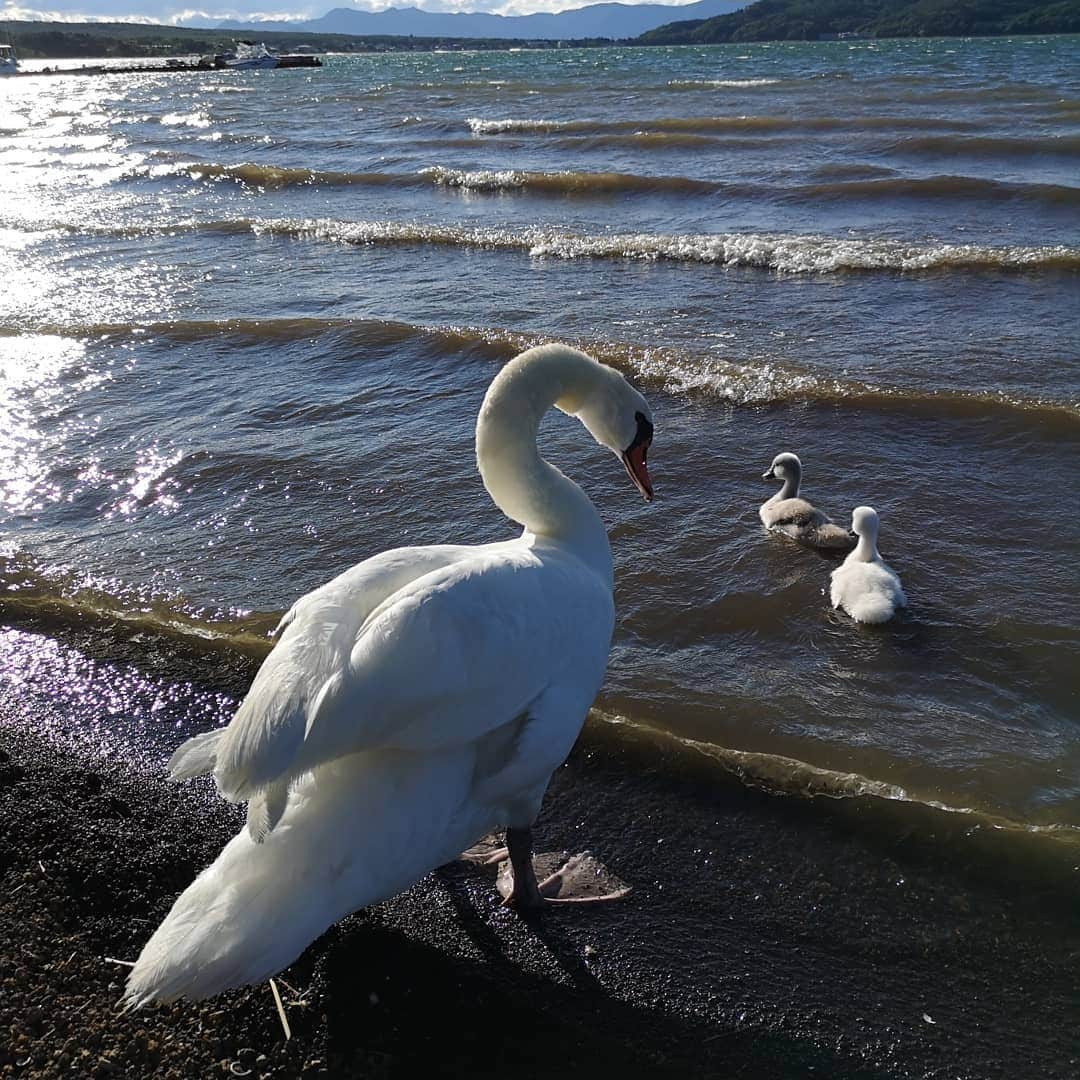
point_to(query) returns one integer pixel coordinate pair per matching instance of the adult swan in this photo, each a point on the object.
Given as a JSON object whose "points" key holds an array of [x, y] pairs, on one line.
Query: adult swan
{"points": [[411, 705]]}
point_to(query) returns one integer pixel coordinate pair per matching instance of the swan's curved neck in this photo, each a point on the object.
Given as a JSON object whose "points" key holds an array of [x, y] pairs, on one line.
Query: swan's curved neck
{"points": [[525, 487], [790, 489], [866, 549]]}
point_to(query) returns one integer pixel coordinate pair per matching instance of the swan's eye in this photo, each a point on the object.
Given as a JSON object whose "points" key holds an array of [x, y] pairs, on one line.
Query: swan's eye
{"points": [[644, 435]]}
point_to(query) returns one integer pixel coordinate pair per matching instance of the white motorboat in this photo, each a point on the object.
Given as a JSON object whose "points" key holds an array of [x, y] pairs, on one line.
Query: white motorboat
{"points": [[9, 63], [249, 55]]}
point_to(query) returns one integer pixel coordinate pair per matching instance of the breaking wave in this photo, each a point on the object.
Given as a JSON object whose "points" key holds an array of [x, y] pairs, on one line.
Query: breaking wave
{"points": [[706, 84], [273, 177], [778, 774], [563, 183], [717, 124], [752, 381], [55, 598], [783, 253]]}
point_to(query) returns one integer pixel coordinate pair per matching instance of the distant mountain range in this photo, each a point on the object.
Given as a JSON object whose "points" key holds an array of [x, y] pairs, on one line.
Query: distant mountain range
{"points": [[595, 20]]}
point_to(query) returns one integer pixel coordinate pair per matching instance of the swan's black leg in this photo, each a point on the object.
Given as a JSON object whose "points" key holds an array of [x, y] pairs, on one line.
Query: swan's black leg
{"points": [[526, 895], [580, 879]]}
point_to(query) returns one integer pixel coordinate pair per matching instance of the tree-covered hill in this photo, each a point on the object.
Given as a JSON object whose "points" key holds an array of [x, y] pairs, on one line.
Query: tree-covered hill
{"points": [[809, 20], [62, 39]]}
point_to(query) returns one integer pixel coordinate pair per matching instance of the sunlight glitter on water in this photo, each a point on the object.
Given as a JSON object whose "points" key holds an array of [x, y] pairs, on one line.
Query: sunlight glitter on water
{"points": [[36, 377], [866, 256]]}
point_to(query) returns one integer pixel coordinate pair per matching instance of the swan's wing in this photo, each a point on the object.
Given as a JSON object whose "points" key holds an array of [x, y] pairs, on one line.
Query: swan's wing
{"points": [[444, 660], [836, 587], [315, 637], [796, 512]]}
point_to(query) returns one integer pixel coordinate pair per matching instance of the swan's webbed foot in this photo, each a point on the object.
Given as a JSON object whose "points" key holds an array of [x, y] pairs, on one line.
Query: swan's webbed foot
{"points": [[571, 879], [485, 852]]}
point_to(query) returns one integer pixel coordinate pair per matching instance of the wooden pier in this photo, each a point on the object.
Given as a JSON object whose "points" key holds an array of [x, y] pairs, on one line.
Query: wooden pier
{"points": [[297, 60]]}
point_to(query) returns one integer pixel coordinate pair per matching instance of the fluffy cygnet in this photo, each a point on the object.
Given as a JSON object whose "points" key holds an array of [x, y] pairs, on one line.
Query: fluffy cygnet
{"points": [[864, 585]]}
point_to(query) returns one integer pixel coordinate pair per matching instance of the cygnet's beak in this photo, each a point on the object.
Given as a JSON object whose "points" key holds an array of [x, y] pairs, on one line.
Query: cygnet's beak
{"points": [[768, 474], [633, 458]]}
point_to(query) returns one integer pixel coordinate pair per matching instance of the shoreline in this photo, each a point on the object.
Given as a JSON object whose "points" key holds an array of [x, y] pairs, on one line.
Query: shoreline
{"points": [[767, 936]]}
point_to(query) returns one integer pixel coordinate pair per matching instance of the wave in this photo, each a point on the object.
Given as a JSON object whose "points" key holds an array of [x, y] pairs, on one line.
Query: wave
{"points": [[668, 140], [850, 181], [751, 382], [708, 84], [717, 124], [267, 176], [939, 187], [54, 599], [990, 146], [196, 119], [782, 253], [781, 775], [563, 183], [274, 177]]}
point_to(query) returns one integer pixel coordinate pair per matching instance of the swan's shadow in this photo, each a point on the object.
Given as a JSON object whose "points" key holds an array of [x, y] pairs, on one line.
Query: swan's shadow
{"points": [[455, 879], [402, 999], [399, 1007]]}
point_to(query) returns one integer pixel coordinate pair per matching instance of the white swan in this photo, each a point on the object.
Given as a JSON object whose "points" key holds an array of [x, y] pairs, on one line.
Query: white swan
{"points": [[787, 513], [413, 704], [864, 585]]}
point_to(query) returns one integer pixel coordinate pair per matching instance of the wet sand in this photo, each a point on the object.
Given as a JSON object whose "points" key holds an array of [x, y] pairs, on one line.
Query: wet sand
{"points": [[766, 937]]}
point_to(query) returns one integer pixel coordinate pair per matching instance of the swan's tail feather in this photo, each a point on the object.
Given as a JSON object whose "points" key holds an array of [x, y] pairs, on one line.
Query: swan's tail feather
{"points": [[239, 922], [873, 607], [833, 536], [265, 809], [352, 833], [196, 757]]}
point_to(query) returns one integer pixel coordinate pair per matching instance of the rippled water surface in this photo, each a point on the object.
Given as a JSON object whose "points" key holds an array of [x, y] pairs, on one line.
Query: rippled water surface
{"points": [[247, 318]]}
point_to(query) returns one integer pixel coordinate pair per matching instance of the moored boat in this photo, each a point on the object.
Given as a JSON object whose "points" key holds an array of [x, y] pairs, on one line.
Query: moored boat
{"points": [[248, 55], [9, 63]]}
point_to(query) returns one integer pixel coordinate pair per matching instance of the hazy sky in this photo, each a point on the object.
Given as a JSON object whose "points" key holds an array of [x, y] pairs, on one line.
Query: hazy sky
{"points": [[158, 11]]}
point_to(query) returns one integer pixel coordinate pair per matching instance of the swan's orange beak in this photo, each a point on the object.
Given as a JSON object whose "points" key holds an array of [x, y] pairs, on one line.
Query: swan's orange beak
{"points": [[637, 470]]}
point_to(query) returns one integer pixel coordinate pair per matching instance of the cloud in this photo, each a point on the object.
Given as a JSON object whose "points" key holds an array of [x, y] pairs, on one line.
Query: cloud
{"points": [[154, 11]]}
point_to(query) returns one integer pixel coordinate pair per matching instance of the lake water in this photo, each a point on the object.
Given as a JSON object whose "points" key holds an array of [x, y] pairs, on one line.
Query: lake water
{"points": [[247, 319]]}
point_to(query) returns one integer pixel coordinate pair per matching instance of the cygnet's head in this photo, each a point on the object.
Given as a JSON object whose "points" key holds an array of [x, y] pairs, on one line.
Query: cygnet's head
{"points": [[784, 467], [864, 522], [618, 417]]}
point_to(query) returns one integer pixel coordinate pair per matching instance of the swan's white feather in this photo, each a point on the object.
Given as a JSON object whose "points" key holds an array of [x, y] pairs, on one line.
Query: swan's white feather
{"points": [[864, 585], [248, 914], [316, 636], [869, 592], [470, 628], [195, 757], [410, 706], [441, 768]]}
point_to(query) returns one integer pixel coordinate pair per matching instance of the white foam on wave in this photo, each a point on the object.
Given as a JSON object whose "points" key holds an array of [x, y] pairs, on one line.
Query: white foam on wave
{"points": [[792, 254], [736, 84], [191, 119], [781, 775], [479, 126], [756, 383], [475, 179], [785, 253]]}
